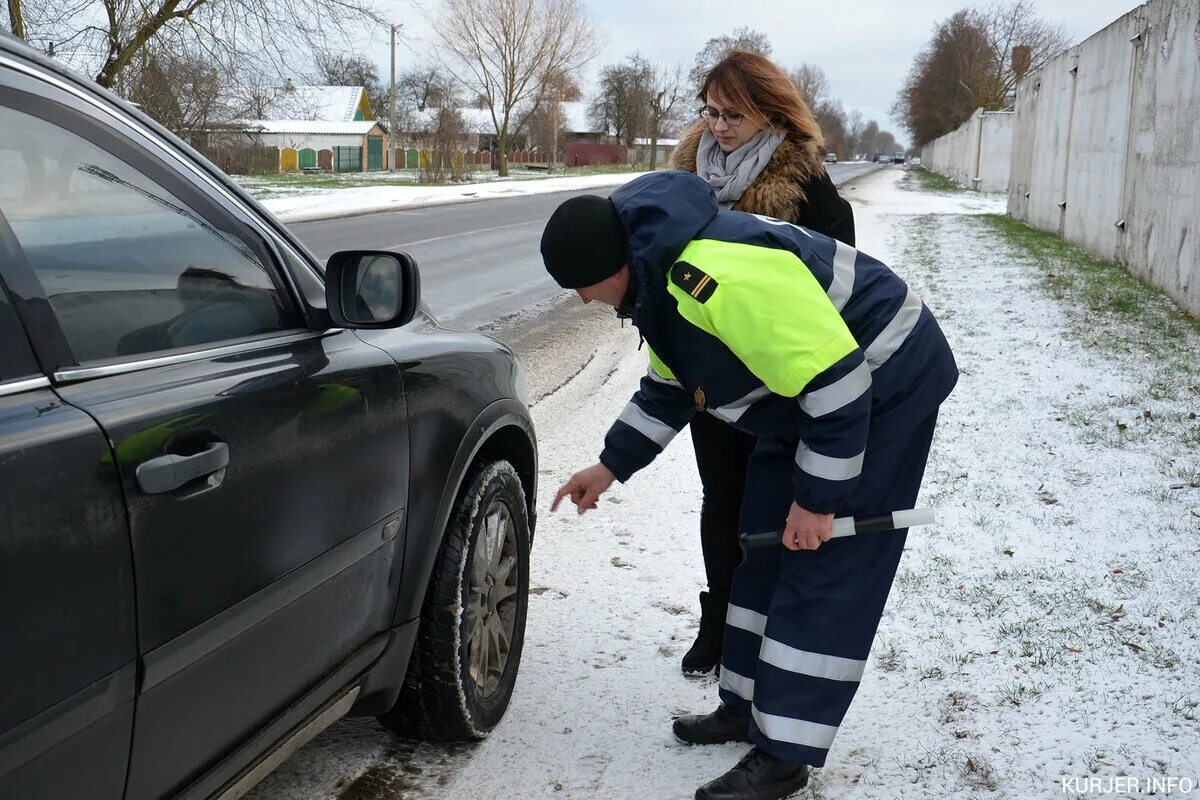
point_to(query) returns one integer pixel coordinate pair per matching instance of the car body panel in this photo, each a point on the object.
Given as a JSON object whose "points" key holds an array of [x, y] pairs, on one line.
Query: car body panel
{"points": [[318, 449], [66, 591], [260, 589], [453, 382]]}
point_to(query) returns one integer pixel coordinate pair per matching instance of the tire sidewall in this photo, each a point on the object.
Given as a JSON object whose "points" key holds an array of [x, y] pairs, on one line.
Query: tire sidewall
{"points": [[498, 482]]}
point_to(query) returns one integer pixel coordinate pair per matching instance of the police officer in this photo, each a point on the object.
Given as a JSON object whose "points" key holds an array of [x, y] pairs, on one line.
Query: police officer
{"points": [[837, 367]]}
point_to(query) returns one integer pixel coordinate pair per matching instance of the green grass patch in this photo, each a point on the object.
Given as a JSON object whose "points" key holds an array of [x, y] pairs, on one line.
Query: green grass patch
{"points": [[932, 182], [1108, 308], [607, 169]]}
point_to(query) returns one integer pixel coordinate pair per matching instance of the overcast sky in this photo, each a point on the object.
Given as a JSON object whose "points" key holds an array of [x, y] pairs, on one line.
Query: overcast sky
{"points": [[864, 46]]}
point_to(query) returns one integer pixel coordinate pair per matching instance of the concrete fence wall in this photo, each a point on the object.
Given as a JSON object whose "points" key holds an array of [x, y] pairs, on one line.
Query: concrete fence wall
{"points": [[1106, 146], [977, 155]]}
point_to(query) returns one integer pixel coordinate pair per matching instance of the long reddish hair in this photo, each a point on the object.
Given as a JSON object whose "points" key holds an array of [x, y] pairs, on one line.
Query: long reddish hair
{"points": [[754, 85]]}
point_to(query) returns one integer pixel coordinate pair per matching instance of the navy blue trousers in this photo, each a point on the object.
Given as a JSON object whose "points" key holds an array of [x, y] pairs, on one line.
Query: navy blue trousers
{"points": [[801, 623]]}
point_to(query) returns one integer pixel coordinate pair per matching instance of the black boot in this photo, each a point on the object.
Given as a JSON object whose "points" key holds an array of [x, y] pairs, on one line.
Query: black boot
{"points": [[726, 724], [706, 650], [757, 776]]}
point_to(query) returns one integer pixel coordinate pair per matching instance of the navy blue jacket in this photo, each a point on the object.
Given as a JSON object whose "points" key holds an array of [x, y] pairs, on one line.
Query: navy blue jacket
{"points": [[781, 331]]}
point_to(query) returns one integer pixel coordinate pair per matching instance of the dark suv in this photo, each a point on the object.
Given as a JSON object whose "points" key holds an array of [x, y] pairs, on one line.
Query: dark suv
{"points": [[243, 495]]}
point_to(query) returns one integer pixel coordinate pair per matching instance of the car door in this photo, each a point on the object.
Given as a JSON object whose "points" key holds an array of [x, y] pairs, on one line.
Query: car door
{"points": [[263, 464], [66, 586]]}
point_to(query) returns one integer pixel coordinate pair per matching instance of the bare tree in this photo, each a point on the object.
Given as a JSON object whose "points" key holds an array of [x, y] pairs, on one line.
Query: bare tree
{"points": [[831, 118], [812, 84], [867, 137], [622, 103], [506, 51], [667, 93], [181, 91], [16, 18], [423, 86], [109, 37], [854, 131], [336, 69], [419, 89], [714, 50], [948, 79], [967, 65], [1008, 25], [543, 123]]}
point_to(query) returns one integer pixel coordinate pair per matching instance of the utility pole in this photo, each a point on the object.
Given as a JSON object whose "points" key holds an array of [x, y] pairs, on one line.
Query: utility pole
{"points": [[554, 125], [392, 109]]}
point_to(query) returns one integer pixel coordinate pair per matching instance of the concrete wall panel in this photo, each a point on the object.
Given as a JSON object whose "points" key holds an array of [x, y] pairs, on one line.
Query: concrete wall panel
{"points": [[977, 155], [1162, 232], [1098, 135], [1106, 146]]}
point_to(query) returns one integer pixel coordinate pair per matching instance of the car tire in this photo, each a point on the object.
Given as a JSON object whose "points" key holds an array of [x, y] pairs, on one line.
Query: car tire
{"points": [[464, 664]]}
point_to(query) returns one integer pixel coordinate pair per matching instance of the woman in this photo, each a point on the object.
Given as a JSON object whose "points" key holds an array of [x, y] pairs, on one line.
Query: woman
{"points": [[760, 149]]}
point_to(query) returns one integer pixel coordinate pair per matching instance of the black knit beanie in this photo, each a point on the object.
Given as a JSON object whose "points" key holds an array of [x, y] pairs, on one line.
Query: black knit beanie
{"points": [[584, 242]]}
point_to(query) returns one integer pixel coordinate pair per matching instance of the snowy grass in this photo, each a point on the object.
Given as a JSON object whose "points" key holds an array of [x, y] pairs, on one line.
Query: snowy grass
{"points": [[1048, 626], [1108, 307], [929, 181]]}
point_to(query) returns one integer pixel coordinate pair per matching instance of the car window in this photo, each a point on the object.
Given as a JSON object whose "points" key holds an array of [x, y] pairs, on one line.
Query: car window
{"points": [[126, 265]]}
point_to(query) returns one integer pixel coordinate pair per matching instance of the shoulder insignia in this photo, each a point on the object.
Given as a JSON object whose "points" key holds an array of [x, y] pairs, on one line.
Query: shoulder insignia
{"points": [[693, 280]]}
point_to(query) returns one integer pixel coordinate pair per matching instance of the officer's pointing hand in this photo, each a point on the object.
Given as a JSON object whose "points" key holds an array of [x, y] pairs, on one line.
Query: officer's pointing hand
{"points": [[806, 530], [585, 487]]}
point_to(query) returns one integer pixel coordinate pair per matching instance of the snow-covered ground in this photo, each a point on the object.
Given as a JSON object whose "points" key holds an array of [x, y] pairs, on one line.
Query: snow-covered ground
{"points": [[1045, 630], [338, 202]]}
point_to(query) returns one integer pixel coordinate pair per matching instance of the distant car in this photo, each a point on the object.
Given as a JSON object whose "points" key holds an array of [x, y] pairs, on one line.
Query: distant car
{"points": [[831, 158], [899, 158], [248, 493], [882, 158]]}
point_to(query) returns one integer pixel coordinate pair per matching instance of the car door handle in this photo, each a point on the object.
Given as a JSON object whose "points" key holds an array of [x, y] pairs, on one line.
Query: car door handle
{"points": [[169, 472]]}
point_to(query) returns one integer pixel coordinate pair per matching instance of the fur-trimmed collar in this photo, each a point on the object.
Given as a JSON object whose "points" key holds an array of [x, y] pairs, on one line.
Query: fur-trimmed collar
{"points": [[778, 191]]}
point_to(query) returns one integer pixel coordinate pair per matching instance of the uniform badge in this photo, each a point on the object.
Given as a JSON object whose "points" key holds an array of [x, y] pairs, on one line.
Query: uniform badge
{"points": [[698, 396], [693, 280]]}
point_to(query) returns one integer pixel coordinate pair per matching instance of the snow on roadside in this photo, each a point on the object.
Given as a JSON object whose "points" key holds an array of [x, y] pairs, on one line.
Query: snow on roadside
{"points": [[1046, 628], [331, 203]]}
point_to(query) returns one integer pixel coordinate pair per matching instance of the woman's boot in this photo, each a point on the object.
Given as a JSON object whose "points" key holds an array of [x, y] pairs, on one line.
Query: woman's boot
{"points": [[706, 650]]}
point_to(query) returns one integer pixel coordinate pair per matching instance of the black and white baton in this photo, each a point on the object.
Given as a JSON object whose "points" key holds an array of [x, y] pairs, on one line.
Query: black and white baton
{"points": [[848, 526]]}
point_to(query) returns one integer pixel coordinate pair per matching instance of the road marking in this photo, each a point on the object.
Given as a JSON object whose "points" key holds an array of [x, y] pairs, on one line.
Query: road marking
{"points": [[466, 233]]}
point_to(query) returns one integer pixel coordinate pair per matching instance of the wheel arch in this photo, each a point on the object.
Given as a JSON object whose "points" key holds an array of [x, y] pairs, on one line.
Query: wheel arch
{"points": [[502, 430]]}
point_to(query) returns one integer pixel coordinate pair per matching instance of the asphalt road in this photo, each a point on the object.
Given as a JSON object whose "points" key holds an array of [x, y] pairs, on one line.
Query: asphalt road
{"points": [[479, 261]]}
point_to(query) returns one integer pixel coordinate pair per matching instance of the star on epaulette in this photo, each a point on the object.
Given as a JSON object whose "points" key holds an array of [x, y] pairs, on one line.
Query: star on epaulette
{"points": [[693, 280]]}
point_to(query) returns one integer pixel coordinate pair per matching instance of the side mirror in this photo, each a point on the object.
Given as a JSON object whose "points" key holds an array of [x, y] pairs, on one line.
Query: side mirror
{"points": [[371, 289]]}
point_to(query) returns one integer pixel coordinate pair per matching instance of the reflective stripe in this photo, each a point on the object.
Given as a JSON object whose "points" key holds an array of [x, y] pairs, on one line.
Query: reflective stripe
{"points": [[796, 731], [833, 668], [733, 411], [896, 332], [781, 223], [842, 285], [828, 467], [653, 429], [654, 376], [745, 619], [740, 685], [841, 392]]}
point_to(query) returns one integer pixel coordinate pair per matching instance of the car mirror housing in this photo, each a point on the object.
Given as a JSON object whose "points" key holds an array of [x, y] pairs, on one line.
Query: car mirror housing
{"points": [[371, 289]]}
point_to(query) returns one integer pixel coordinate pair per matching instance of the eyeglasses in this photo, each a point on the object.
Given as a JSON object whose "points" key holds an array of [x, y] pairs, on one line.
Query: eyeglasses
{"points": [[732, 119]]}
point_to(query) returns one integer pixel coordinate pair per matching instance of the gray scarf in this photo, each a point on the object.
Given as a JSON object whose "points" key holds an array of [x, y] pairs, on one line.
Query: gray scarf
{"points": [[730, 174]]}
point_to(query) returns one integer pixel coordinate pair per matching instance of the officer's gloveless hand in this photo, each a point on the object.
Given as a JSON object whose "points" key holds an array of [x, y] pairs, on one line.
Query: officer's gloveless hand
{"points": [[585, 487], [806, 530]]}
